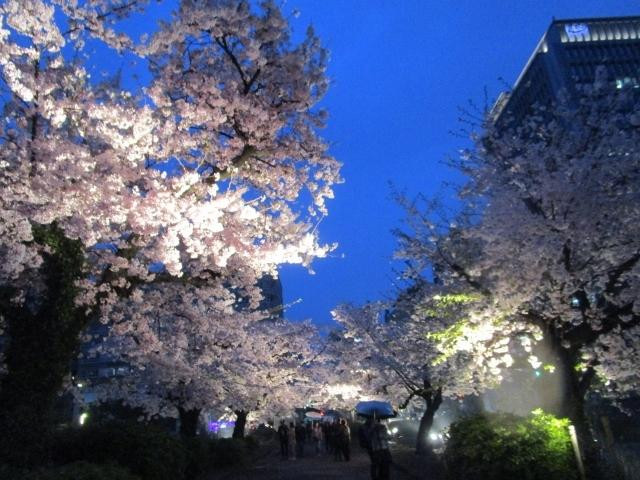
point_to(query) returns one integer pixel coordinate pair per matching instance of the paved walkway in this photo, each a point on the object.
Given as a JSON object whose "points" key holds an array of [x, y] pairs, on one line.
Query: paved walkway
{"points": [[271, 467]]}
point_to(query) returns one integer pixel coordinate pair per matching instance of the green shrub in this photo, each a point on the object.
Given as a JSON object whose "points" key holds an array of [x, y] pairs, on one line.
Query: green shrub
{"points": [[227, 452], [82, 471], [252, 442], [206, 454], [506, 447], [148, 452], [11, 472], [200, 459]]}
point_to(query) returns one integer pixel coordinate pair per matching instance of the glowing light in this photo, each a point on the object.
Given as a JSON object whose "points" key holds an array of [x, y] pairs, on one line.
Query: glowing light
{"points": [[219, 425], [394, 430], [433, 436], [83, 418], [344, 390], [576, 450]]}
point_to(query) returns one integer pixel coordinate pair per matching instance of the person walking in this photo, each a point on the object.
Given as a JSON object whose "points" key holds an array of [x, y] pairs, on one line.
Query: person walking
{"points": [[317, 437], [344, 439], [325, 434], [335, 440], [364, 439], [283, 436], [291, 435], [380, 452], [301, 433]]}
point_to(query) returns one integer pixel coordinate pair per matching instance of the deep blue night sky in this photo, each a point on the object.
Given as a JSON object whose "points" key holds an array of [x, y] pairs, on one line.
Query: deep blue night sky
{"points": [[400, 70]]}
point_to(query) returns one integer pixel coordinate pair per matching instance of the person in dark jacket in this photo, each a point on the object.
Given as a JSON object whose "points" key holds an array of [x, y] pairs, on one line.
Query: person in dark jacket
{"points": [[335, 440], [301, 435], [327, 437], [308, 431], [292, 440], [380, 451], [283, 436], [344, 439], [364, 439]]}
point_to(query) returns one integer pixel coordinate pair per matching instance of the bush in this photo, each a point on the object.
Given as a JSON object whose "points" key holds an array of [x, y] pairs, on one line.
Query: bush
{"points": [[252, 442], [82, 471], [227, 452], [148, 452], [199, 456], [11, 472], [506, 447], [205, 454]]}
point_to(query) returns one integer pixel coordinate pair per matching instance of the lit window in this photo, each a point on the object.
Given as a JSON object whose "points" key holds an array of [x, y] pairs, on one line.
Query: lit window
{"points": [[627, 82]]}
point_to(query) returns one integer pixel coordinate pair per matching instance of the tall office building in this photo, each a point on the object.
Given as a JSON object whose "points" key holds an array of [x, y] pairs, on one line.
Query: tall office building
{"points": [[567, 56]]}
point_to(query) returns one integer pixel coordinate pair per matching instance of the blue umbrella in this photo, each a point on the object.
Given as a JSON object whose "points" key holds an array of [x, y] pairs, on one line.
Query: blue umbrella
{"points": [[375, 409]]}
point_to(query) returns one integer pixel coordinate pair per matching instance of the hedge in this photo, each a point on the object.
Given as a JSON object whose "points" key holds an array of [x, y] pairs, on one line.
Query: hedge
{"points": [[507, 447]]}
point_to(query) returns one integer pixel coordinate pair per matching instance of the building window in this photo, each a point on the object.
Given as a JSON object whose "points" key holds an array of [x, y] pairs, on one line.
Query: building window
{"points": [[627, 82]]}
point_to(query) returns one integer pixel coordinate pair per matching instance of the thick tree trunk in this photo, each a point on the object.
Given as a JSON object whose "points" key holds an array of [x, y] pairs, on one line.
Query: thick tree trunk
{"points": [[241, 421], [189, 422], [42, 341], [433, 401]]}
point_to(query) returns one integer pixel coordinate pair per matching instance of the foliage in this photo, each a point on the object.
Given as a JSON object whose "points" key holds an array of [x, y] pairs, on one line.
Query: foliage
{"points": [[209, 176], [445, 304], [146, 451], [43, 337], [81, 471], [388, 351], [503, 447], [206, 454], [227, 452], [202, 352], [548, 234], [199, 456]]}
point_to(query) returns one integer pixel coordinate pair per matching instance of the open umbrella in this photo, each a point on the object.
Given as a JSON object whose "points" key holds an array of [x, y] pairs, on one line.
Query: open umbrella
{"points": [[375, 409], [314, 415]]}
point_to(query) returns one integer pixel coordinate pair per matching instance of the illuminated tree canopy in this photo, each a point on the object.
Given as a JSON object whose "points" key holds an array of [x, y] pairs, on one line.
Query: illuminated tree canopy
{"points": [[548, 236], [210, 176], [391, 352]]}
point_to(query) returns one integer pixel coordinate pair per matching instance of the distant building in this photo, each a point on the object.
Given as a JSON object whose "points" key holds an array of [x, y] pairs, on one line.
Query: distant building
{"points": [[566, 57]]}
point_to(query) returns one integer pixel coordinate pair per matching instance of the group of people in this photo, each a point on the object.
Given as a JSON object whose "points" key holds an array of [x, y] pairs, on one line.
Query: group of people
{"points": [[330, 437], [335, 438]]}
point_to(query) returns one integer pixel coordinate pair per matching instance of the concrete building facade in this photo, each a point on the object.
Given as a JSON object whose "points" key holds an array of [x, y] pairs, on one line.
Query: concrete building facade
{"points": [[566, 57]]}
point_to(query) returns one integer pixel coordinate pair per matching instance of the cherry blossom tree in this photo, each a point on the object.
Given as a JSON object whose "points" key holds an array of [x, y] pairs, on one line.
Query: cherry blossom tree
{"points": [[390, 351], [272, 375], [549, 235], [175, 339], [193, 349], [198, 178]]}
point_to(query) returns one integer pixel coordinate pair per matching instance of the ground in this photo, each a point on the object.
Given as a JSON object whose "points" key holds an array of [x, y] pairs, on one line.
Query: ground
{"points": [[270, 466]]}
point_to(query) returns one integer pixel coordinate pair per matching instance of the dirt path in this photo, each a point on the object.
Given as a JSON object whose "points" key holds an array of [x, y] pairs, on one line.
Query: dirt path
{"points": [[311, 467]]}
